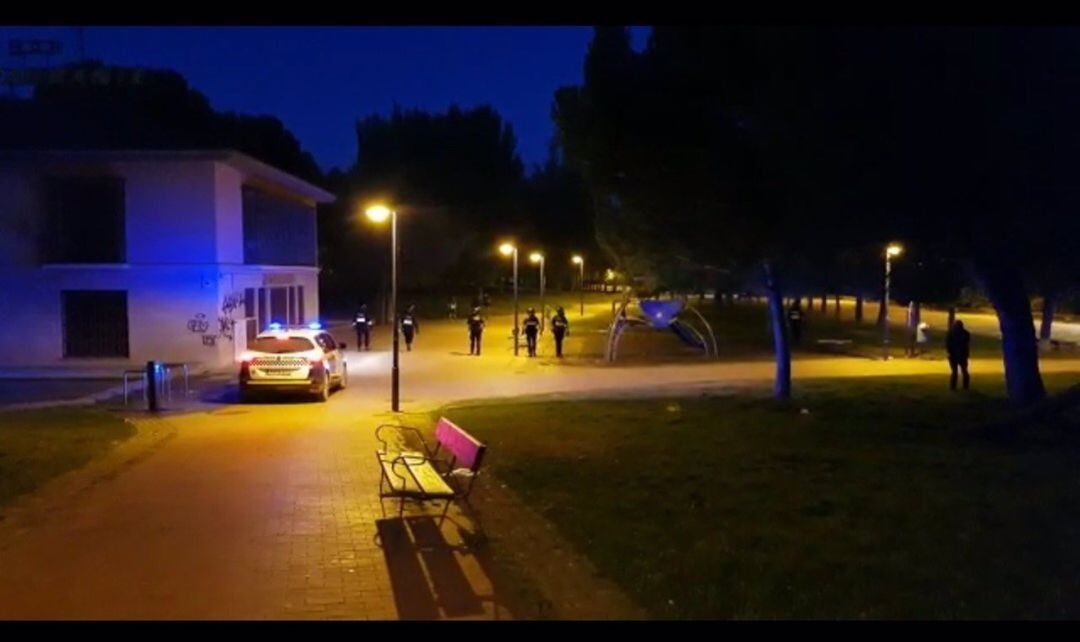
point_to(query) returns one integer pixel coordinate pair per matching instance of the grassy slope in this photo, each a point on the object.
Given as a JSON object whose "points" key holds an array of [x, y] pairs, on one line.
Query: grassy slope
{"points": [[37, 445], [878, 503]]}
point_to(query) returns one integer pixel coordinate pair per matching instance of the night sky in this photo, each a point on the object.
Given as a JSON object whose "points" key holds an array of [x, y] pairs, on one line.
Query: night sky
{"points": [[318, 81]]}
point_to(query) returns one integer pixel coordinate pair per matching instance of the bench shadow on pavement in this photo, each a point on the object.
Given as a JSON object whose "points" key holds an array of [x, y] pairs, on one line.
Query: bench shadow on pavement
{"points": [[415, 544]]}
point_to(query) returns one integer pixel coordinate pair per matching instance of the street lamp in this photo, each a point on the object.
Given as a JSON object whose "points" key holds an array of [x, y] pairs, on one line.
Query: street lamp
{"points": [[508, 249], [580, 262], [893, 250], [379, 214], [537, 257]]}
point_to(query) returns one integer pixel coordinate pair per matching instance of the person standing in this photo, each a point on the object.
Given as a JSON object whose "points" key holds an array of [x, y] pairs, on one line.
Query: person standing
{"points": [[452, 308], [532, 329], [922, 337], [362, 323], [476, 330], [795, 322], [560, 327], [958, 347], [409, 326]]}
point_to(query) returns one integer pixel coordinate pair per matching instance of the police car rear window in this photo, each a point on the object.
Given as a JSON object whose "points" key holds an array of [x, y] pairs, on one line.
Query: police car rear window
{"points": [[275, 345]]}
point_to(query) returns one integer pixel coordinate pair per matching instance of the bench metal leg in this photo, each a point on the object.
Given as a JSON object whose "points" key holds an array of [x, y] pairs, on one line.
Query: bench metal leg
{"points": [[446, 509]]}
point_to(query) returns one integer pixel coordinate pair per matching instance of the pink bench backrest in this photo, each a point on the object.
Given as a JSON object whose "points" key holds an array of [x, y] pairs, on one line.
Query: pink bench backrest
{"points": [[466, 450]]}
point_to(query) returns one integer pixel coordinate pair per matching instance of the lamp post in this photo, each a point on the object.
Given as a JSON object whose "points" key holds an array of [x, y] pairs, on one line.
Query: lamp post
{"points": [[379, 214], [580, 262], [894, 249], [537, 257], [508, 249]]}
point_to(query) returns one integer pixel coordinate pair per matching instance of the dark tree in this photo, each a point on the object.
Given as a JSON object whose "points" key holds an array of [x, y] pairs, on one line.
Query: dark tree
{"points": [[159, 111]]}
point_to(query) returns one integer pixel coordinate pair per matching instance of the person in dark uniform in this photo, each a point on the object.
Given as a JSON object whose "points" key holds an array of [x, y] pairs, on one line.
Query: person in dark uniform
{"points": [[476, 330], [532, 329], [560, 327], [958, 347], [795, 322], [409, 326], [362, 323]]}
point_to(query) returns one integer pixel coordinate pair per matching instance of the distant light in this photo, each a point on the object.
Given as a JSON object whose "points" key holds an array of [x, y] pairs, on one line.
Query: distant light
{"points": [[894, 249], [274, 326], [315, 325], [506, 249], [536, 257], [577, 260], [378, 213]]}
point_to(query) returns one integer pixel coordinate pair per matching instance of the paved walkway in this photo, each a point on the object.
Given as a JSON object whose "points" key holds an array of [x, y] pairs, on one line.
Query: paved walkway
{"points": [[271, 510]]}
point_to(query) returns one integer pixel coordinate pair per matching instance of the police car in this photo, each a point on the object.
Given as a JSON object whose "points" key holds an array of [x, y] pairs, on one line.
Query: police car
{"points": [[293, 359]]}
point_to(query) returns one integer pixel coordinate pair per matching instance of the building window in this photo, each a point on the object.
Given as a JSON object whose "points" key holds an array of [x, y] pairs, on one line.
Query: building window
{"points": [[277, 230], [279, 305], [95, 323], [84, 221]]}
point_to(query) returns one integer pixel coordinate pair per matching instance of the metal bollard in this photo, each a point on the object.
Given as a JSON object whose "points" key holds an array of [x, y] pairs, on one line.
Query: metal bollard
{"points": [[151, 386]]}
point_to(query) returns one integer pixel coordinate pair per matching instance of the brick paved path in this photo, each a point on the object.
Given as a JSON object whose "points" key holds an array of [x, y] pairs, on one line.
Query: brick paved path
{"points": [[271, 510]]}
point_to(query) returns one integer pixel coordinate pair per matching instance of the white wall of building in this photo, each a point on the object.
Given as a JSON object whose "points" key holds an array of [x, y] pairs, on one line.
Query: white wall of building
{"points": [[184, 259]]}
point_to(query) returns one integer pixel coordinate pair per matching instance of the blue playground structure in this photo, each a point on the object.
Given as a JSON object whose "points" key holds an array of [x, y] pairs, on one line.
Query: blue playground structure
{"points": [[662, 315]]}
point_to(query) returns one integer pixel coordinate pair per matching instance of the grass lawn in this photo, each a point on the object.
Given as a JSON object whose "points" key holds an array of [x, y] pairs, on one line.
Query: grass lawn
{"points": [[38, 445], [881, 502]]}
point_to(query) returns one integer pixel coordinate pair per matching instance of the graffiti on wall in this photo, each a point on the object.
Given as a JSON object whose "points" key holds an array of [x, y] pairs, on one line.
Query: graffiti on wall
{"points": [[231, 306]]}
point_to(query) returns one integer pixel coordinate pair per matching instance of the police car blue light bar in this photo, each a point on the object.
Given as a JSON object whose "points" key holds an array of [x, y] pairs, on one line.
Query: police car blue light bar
{"points": [[274, 326], [315, 325]]}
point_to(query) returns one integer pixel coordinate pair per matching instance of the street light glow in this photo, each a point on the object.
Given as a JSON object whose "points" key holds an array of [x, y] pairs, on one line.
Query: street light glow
{"points": [[506, 249], [894, 249], [577, 260], [377, 213], [536, 257]]}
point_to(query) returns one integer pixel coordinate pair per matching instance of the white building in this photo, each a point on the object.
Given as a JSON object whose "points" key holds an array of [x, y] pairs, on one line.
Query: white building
{"points": [[109, 259]]}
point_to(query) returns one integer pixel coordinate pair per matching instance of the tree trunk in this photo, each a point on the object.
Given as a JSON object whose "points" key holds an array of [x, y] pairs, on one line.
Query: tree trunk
{"points": [[858, 308], [1005, 286], [1047, 324], [913, 326], [824, 303], [781, 348], [952, 317], [836, 298]]}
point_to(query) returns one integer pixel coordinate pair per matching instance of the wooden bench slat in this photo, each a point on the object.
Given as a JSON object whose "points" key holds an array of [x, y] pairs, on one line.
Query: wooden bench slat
{"points": [[431, 482], [466, 449]]}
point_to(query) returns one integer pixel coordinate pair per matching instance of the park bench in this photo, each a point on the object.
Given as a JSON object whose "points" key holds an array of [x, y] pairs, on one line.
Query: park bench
{"points": [[446, 473], [835, 345]]}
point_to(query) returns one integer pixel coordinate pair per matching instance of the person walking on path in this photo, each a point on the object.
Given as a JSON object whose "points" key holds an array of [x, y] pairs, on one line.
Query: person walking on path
{"points": [[409, 326], [476, 330], [363, 322], [560, 327], [532, 329], [958, 347], [795, 322]]}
